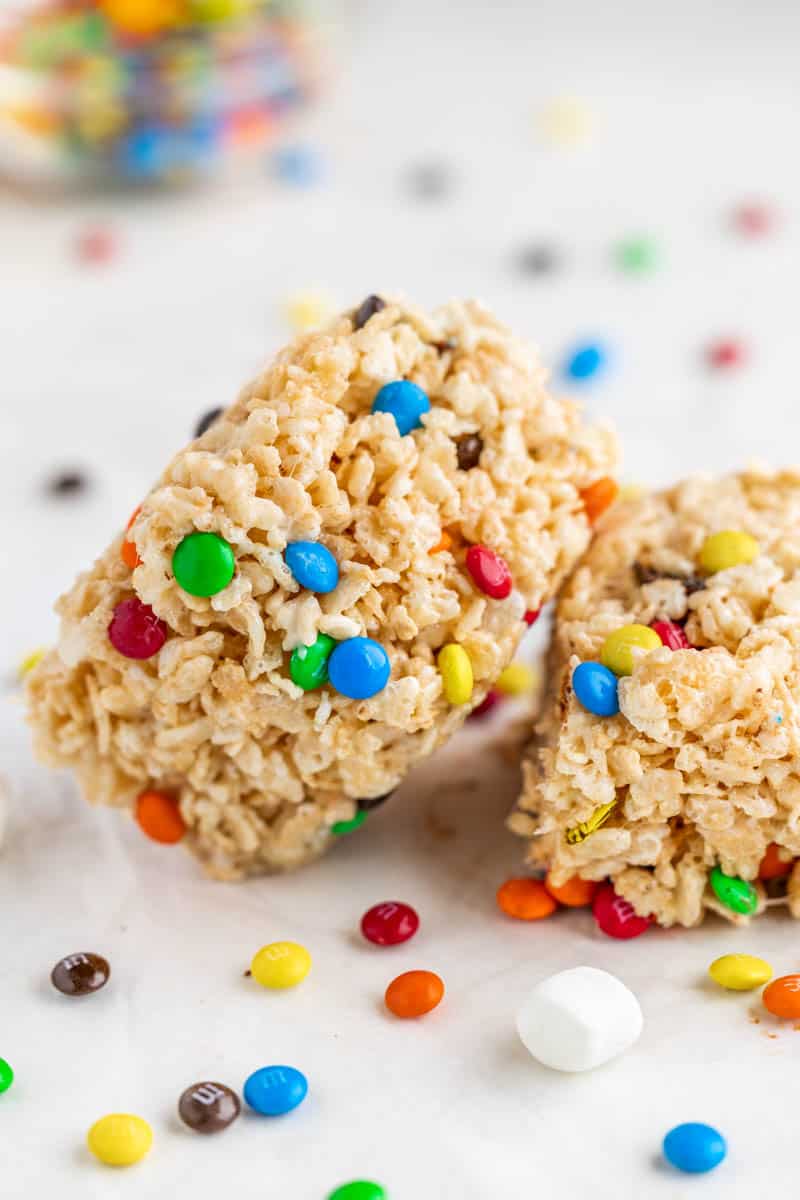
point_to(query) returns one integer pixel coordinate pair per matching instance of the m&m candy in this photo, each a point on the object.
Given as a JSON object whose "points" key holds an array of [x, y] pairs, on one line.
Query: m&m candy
{"points": [[414, 993], [207, 420], [736, 894], [599, 496], [518, 679], [489, 572], [120, 1139], [469, 447], [774, 865], [359, 668], [584, 362], [531, 616], [127, 551], [80, 974], [595, 687], [368, 803], [135, 630], [740, 972], [575, 893], [208, 1107], [782, 997], [525, 899], [359, 1189], [203, 564], [389, 923], [313, 566], [339, 828], [455, 669], [616, 917], [6, 1076], [280, 965], [273, 1091], [617, 652], [694, 1148], [726, 353], [729, 548], [671, 635], [406, 401], [308, 666], [492, 698], [366, 310], [159, 817]]}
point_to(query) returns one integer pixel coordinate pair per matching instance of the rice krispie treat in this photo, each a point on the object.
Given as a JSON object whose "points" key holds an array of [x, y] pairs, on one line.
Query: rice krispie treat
{"points": [[668, 753], [320, 588]]}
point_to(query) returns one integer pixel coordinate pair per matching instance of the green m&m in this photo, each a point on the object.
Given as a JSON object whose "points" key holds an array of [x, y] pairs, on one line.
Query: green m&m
{"points": [[359, 1189], [308, 665], [203, 564], [6, 1076], [736, 894], [340, 827]]}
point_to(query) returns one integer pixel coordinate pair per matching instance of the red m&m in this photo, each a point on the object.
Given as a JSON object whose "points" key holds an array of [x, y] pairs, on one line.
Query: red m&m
{"points": [[532, 616], [389, 923], [489, 572], [135, 630], [616, 916], [672, 635]]}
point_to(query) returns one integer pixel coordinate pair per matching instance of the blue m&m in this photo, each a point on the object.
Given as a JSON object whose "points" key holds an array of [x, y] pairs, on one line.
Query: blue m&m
{"points": [[596, 688], [359, 668], [694, 1148], [585, 361], [273, 1091], [405, 400], [313, 566]]}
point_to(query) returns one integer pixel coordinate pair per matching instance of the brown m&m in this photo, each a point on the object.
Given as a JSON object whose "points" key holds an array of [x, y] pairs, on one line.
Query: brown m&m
{"points": [[468, 450], [80, 974], [208, 1107]]}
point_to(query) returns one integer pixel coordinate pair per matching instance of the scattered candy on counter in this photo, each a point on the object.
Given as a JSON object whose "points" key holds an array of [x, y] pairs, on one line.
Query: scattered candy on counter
{"points": [[726, 353], [616, 917], [406, 401], [469, 447], [489, 701], [740, 972], [518, 679], [579, 1019], [430, 181], [617, 652], [313, 566], [579, 833], [636, 255], [565, 120], [273, 1091], [782, 997], [120, 1139], [754, 219], [489, 572], [368, 803], [538, 259], [307, 310], [280, 965], [367, 309], [308, 665], [729, 548], [158, 815], [599, 496], [68, 483], [414, 993], [736, 894], [203, 563], [80, 974], [6, 1076], [359, 668], [595, 687], [339, 828], [96, 244], [525, 899], [694, 1148], [585, 362], [389, 923], [208, 1107], [298, 166], [455, 669], [207, 420], [135, 630], [30, 661], [773, 864], [575, 893], [359, 1189], [671, 635]]}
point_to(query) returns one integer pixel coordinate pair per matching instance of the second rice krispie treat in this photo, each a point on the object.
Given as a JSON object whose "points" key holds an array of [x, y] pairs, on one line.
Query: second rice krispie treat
{"points": [[667, 757], [320, 588]]}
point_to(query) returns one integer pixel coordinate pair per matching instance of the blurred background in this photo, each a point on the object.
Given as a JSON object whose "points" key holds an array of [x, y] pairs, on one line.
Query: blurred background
{"points": [[187, 182]]}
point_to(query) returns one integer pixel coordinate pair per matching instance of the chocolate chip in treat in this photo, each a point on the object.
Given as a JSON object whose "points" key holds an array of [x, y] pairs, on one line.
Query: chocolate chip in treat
{"points": [[468, 450], [538, 260], [430, 181], [208, 1107], [645, 574], [207, 421], [67, 483], [367, 309], [369, 802], [446, 345], [80, 974]]}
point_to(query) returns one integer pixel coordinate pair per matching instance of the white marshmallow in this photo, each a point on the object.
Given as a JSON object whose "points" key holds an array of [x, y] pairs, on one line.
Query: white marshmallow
{"points": [[579, 1019]]}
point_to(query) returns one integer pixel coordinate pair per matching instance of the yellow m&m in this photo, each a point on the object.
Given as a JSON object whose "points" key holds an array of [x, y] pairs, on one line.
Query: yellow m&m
{"points": [[120, 1139], [455, 669], [618, 648], [730, 548], [517, 679], [280, 965], [740, 972]]}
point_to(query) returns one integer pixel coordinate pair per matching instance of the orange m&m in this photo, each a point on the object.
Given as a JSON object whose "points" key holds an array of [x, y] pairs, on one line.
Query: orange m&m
{"points": [[575, 893], [159, 817], [599, 496], [772, 865], [782, 997], [444, 543], [525, 899], [128, 552], [414, 993]]}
